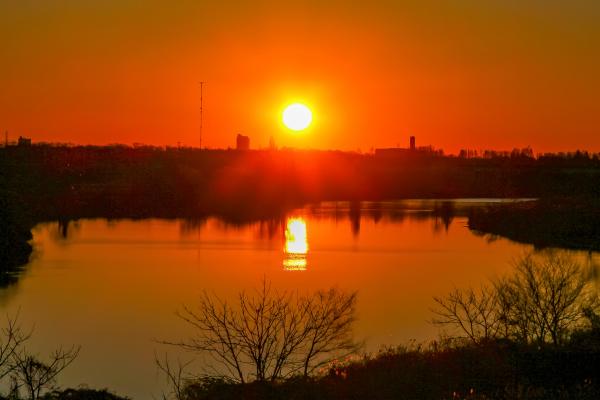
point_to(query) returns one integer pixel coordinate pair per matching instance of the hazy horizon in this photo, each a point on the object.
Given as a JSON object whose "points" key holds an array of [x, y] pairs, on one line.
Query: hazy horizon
{"points": [[265, 146]]}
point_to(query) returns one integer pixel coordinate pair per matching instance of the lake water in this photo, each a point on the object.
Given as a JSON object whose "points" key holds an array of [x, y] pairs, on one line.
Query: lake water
{"points": [[113, 286]]}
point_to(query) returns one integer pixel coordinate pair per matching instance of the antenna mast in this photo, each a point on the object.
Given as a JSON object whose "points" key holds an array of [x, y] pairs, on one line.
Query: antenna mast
{"points": [[201, 87]]}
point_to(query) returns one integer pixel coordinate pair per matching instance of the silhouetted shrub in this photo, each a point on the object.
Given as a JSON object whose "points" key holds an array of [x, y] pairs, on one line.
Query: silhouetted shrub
{"points": [[494, 370], [82, 394]]}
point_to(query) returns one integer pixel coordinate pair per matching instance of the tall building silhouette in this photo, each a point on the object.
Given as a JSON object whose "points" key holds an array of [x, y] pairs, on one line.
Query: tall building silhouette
{"points": [[24, 142], [242, 142]]}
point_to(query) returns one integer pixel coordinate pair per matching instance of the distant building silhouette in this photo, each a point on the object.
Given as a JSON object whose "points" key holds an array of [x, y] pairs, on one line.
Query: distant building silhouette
{"points": [[242, 142], [392, 151], [412, 151], [23, 141]]}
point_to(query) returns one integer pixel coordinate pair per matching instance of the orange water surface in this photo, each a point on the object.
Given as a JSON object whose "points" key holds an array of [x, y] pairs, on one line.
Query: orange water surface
{"points": [[113, 286]]}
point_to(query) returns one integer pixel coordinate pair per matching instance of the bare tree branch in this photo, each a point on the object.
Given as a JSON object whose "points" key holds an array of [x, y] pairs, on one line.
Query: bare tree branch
{"points": [[35, 375], [545, 299], [269, 334]]}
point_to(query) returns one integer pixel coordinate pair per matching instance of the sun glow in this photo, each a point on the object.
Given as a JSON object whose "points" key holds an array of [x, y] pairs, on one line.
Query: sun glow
{"points": [[297, 117]]}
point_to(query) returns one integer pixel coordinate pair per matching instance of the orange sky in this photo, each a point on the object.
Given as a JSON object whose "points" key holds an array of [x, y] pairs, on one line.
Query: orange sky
{"points": [[465, 73]]}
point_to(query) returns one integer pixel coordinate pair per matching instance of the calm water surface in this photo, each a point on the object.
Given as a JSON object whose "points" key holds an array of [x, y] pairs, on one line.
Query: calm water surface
{"points": [[113, 286]]}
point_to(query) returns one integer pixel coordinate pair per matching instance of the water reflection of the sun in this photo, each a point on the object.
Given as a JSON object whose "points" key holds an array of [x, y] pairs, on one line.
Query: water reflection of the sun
{"points": [[296, 245]]}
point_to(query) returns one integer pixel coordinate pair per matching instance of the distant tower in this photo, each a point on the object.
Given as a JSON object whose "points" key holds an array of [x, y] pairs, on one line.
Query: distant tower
{"points": [[201, 87], [242, 142], [412, 143], [6, 139], [272, 145]]}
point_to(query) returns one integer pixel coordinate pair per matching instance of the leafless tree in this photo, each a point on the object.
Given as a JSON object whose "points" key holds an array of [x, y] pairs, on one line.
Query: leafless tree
{"points": [[215, 334], [331, 315], [11, 339], [547, 296], [270, 334], [473, 313], [176, 376], [512, 310], [545, 299], [34, 375]]}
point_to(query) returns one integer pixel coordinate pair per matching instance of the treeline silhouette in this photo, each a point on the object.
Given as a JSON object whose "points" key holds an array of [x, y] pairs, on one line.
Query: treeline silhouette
{"points": [[56, 182], [46, 183]]}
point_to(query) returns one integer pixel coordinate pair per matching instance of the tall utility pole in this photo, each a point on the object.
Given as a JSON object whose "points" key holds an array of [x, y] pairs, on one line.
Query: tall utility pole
{"points": [[201, 87]]}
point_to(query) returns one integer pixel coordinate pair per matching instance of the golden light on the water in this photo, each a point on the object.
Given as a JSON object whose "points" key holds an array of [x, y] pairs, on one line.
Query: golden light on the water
{"points": [[296, 245], [297, 117], [295, 236]]}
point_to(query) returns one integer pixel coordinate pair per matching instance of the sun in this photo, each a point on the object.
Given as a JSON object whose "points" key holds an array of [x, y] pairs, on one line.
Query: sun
{"points": [[297, 117]]}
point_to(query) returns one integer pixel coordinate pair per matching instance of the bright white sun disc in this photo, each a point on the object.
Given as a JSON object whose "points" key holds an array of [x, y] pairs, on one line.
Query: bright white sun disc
{"points": [[297, 117]]}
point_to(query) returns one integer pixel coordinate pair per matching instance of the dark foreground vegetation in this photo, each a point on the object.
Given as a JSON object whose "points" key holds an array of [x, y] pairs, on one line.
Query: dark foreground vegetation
{"points": [[80, 394], [531, 335], [494, 370]]}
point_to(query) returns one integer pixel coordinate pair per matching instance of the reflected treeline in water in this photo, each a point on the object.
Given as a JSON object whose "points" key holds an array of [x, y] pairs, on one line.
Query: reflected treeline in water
{"points": [[292, 229], [440, 211], [65, 229], [290, 232], [557, 224]]}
